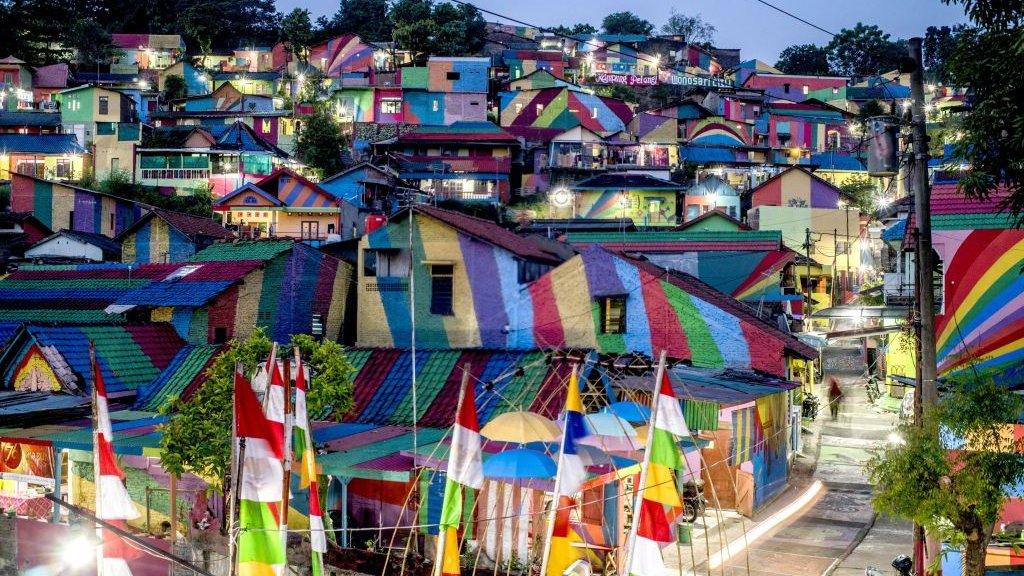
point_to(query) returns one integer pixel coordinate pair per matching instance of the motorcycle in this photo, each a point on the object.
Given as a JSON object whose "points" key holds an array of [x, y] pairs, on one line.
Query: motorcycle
{"points": [[694, 504], [902, 563], [871, 386], [809, 407]]}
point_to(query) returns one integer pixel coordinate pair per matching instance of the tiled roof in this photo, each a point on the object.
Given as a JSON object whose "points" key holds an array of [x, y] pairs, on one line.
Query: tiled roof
{"points": [[243, 250], [696, 287], [7, 330], [193, 290], [57, 316], [490, 232], [896, 231], [460, 131], [52, 76], [192, 226], [129, 356], [10, 118], [40, 144], [680, 240], [180, 379], [716, 213], [623, 180], [382, 384]]}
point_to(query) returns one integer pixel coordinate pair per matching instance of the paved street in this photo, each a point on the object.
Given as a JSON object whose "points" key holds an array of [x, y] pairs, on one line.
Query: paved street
{"points": [[835, 534]]}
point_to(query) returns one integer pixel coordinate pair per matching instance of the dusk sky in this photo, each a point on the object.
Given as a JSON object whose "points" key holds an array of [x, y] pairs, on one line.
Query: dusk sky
{"points": [[747, 24]]}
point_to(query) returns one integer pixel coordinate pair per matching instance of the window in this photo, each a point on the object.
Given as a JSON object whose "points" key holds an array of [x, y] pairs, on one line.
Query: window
{"points": [[530, 271], [115, 164], [593, 112], [330, 228], [250, 199], [519, 107], [391, 106], [220, 335], [435, 105], [63, 168], [104, 105], [265, 126], [8, 78], [441, 277], [540, 109], [806, 89], [785, 88], [71, 219], [453, 75], [113, 221], [385, 263], [613, 315], [835, 90]]}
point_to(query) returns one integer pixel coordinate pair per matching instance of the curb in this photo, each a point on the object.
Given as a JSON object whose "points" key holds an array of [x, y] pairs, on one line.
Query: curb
{"points": [[857, 540]]}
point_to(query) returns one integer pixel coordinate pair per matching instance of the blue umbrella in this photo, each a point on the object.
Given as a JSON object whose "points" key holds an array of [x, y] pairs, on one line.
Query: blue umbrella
{"points": [[629, 411], [519, 463]]}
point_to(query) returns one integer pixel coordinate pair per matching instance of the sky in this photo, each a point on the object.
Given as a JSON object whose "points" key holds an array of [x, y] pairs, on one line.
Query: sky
{"points": [[756, 29]]}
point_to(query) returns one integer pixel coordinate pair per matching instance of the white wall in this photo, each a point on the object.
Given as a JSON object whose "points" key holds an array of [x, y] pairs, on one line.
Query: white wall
{"points": [[62, 246]]}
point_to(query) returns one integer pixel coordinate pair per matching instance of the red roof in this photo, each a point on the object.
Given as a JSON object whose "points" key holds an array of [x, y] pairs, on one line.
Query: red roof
{"points": [[946, 199], [190, 225], [492, 233]]}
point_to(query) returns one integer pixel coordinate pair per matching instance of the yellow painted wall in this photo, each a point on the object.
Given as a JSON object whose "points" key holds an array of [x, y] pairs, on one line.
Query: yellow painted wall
{"points": [[793, 221], [900, 355]]}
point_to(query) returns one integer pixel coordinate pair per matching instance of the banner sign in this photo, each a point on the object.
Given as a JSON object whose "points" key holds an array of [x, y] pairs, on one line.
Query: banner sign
{"points": [[626, 79], [26, 460]]}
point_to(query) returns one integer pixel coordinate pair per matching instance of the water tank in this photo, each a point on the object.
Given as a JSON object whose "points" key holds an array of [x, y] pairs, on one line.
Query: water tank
{"points": [[374, 222], [883, 146]]}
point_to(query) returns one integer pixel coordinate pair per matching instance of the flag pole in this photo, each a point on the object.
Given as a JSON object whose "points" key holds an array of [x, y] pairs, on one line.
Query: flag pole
{"points": [[289, 419], [638, 490], [96, 458], [549, 530], [233, 480], [441, 531]]}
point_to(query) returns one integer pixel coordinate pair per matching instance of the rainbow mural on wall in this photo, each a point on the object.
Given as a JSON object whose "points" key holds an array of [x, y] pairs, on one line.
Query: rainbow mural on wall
{"points": [[716, 131], [62, 206], [983, 304], [346, 53], [560, 309]]}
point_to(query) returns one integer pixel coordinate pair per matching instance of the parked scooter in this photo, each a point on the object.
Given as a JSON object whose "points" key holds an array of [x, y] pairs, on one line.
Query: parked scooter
{"points": [[694, 503], [809, 407], [902, 563]]}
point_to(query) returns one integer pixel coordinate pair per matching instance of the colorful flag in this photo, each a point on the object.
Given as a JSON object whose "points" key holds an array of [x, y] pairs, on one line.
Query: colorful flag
{"points": [[261, 377], [571, 475], [112, 500], [465, 470], [305, 454], [659, 503], [260, 546]]}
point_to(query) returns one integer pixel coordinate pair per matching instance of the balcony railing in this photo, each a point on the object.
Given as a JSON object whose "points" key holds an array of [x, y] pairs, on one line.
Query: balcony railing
{"points": [[454, 164]]}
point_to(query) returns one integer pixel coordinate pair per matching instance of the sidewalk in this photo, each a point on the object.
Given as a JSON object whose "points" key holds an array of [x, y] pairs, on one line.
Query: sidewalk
{"points": [[826, 536]]}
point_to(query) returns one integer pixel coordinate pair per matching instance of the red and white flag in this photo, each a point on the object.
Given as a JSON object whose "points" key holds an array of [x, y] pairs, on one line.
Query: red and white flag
{"points": [[112, 500]]}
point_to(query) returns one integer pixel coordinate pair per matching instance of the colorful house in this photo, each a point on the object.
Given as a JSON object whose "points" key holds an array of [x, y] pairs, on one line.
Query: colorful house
{"points": [[646, 200], [29, 122], [350, 60], [54, 156], [371, 189], [166, 236], [288, 205], [523, 63], [794, 131], [795, 201], [196, 81], [60, 206], [140, 52], [708, 195], [563, 108], [715, 220], [19, 230], [181, 159], [16, 83], [794, 87], [463, 162], [106, 121]]}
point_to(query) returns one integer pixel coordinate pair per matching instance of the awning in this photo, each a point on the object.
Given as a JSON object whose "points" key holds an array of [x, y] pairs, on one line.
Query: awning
{"points": [[853, 311]]}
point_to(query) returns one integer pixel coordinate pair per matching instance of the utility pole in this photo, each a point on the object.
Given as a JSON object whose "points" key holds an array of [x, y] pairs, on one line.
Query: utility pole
{"points": [[807, 287], [926, 396], [922, 209]]}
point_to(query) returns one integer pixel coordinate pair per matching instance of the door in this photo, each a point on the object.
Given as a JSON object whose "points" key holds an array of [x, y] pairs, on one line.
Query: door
{"points": [[310, 230]]}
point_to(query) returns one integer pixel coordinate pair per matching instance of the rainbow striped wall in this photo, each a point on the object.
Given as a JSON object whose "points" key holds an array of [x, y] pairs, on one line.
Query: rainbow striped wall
{"points": [[563, 108], [61, 206], [796, 188], [716, 131], [154, 242], [491, 309], [342, 54], [983, 301]]}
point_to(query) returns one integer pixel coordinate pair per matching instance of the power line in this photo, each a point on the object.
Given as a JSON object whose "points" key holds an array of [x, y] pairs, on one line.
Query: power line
{"points": [[795, 17]]}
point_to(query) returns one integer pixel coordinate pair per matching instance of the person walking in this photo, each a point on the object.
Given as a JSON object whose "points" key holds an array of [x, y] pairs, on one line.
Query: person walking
{"points": [[835, 396]]}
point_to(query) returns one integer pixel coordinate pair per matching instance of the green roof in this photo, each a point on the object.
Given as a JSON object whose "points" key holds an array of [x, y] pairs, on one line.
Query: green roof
{"points": [[345, 463], [176, 378], [674, 236], [245, 250], [972, 221], [68, 316]]}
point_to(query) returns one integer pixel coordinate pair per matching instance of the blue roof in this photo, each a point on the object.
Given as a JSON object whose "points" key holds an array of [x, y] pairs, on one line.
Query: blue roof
{"points": [[192, 294], [40, 144], [702, 154], [833, 161], [8, 330], [239, 136], [895, 232]]}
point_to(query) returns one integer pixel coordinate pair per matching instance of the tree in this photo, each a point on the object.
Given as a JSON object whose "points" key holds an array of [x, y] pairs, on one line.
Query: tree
{"points": [[626, 23], [808, 59], [861, 191], [988, 141], [297, 32], [863, 51], [197, 437], [579, 29], [365, 18], [203, 23], [957, 494], [320, 143], [425, 28], [692, 28], [175, 87], [92, 42], [939, 44]]}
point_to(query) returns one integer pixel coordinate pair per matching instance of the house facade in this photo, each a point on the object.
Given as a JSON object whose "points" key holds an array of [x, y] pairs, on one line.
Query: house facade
{"points": [[59, 206], [162, 236], [106, 122]]}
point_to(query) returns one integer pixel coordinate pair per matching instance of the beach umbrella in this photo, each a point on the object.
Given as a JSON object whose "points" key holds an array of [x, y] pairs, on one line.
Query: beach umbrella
{"points": [[609, 432], [521, 427], [518, 464], [632, 411]]}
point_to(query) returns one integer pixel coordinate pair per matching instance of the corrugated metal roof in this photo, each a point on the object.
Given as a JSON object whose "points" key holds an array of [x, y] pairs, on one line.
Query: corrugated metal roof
{"points": [[48, 144]]}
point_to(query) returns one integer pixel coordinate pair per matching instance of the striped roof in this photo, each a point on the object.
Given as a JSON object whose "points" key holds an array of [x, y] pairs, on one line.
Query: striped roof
{"points": [[460, 132], [673, 240], [180, 379], [47, 144], [243, 250]]}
